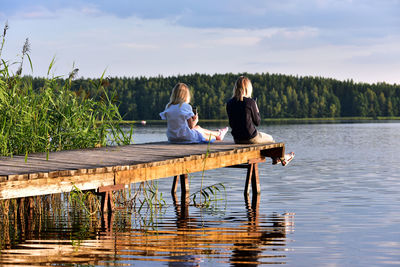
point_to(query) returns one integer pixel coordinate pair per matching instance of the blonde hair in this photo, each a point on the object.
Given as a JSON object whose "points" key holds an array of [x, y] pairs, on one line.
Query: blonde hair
{"points": [[180, 94], [242, 88]]}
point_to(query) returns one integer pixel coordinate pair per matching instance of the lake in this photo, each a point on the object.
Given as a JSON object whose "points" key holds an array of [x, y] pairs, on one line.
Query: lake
{"points": [[336, 204]]}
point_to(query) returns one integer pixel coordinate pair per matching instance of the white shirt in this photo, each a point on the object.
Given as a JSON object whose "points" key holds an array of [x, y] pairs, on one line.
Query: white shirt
{"points": [[178, 129]]}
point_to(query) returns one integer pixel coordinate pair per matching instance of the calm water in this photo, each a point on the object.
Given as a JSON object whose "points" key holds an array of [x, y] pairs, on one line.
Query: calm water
{"points": [[336, 204]]}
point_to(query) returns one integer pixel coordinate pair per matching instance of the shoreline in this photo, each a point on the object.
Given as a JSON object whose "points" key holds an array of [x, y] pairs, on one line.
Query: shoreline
{"points": [[283, 120]]}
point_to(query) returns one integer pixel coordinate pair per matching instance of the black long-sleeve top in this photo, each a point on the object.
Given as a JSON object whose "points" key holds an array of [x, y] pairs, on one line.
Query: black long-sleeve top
{"points": [[243, 118]]}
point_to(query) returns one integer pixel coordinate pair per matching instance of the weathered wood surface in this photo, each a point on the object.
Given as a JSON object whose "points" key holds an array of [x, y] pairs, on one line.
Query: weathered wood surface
{"points": [[98, 167]]}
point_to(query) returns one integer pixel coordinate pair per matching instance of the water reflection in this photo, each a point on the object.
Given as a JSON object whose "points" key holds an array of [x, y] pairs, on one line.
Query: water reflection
{"points": [[248, 250], [181, 240]]}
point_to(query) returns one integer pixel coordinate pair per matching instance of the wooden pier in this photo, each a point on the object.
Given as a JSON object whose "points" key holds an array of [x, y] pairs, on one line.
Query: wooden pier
{"points": [[111, 168]]}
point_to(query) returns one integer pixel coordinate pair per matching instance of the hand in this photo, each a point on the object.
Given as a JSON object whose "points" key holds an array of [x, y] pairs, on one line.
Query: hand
{"points": [[257, 107], [192, 121], [195, 118]]}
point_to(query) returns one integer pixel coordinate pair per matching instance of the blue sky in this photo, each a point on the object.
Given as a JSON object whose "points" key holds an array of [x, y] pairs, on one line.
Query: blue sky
{"points": [[341, 39]]}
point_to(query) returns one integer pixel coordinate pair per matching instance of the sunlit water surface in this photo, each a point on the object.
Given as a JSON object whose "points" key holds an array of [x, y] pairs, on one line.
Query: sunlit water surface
{"points": [[336, 204]]}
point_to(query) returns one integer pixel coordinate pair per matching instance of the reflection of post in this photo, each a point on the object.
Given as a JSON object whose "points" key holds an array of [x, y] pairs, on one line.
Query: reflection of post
{"points": [[107, 221], [248, 250], [181, 210], [21, 206], [23, 210], [252, 209], [289, 222], [183, 225], [21, 216], [31, 206], [174, 186], [185, 188]]}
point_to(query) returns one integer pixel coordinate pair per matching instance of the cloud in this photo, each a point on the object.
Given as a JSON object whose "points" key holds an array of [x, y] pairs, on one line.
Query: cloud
{"points": [[235, 13], [384, 52], [336, 21], [340, 39], [37, 13], [139, 46]]}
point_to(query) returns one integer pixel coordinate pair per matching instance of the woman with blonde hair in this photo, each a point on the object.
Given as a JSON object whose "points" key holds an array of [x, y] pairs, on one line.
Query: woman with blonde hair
{"points": [[244, 116], [182, 121]]}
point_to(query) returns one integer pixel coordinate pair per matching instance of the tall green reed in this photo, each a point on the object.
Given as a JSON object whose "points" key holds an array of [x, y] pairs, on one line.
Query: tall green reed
{"points": [[209, 193], [53, 117]]}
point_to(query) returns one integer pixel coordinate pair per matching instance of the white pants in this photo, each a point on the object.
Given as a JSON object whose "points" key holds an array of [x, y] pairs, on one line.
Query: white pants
{"points": [[260, 138]]}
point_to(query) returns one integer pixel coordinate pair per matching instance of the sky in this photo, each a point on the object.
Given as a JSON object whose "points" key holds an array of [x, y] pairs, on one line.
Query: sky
{"points": [[340, 39]]}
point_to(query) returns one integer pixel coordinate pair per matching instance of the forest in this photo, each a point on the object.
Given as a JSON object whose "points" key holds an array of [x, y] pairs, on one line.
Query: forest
{"points": [[278, 96]]}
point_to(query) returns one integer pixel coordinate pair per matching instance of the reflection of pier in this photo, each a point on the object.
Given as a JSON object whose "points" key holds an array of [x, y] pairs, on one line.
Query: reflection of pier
{"points": [[186, 239], [246, 241], [111, 168]]}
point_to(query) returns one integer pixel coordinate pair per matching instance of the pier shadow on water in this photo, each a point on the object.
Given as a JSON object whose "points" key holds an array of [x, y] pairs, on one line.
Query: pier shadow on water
{"points": [[184, 237]]}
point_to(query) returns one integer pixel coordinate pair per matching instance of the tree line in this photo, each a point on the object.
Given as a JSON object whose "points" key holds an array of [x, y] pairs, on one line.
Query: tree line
{"points": [[278, 96]]}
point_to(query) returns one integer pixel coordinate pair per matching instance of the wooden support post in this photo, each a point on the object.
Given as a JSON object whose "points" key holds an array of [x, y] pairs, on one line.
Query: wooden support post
{"points": [[105, 193], [184, 179], [255, 180], [252, 177], [248, 179], [184, 189]]}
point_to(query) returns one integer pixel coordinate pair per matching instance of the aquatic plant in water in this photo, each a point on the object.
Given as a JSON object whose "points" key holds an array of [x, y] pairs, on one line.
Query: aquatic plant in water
{"points": [[209, 193], [145, 203], [86, 201]]}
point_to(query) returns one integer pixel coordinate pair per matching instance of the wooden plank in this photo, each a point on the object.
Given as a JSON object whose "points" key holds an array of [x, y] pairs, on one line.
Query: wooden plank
{"points": [[144, 173], [18, 177], [39, 175], [45, 186], [94, 158], [276, 152], [93, 168], [111, 188], [257, 160]]}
